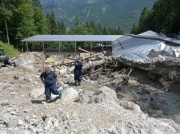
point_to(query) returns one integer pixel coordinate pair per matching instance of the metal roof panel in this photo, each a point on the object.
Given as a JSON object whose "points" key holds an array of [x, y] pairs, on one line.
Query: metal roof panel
{"points": [[71, 38]]}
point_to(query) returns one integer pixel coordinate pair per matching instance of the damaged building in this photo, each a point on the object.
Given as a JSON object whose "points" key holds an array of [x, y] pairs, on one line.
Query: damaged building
{"points": [[157, 54], [149, 51]]}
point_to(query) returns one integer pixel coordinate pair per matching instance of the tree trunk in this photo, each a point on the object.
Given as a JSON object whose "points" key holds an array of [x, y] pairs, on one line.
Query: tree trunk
{"points": [[7, 33]]}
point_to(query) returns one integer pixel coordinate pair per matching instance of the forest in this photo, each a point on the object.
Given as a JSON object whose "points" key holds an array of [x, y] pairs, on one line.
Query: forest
{"points": [[164, 17], [25, 18]]}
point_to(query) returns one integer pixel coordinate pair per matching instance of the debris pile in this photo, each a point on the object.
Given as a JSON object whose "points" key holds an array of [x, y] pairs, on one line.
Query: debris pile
{"points": [[30, 60], [113, 98], [150, 51]]}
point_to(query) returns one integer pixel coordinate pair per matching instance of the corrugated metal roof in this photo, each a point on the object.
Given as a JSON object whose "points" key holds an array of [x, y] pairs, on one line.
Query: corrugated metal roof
{"points": [[71, 38], [140, 49], [149, 33], [160, 38]]}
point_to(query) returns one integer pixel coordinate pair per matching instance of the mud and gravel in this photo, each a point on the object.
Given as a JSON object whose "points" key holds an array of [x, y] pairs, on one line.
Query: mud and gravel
{"points": [[94, 112]]}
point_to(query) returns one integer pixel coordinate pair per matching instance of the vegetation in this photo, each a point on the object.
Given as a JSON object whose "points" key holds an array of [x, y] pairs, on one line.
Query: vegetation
{"points": [[24, 18], [9, 49], [163, 17], [109, 13]]}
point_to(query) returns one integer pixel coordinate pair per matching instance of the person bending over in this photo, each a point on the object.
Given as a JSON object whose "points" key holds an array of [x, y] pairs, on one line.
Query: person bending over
{"points": [[49, 79]]}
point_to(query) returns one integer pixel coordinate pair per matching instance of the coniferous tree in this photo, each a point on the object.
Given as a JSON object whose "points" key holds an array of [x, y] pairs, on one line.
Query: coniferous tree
{"points": [[5, 14], [53, 27], [22, 20], [164, 17]]}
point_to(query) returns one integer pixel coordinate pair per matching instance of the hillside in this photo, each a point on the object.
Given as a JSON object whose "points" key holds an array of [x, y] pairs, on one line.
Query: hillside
{"points": [[9, 49], [114, 13]]}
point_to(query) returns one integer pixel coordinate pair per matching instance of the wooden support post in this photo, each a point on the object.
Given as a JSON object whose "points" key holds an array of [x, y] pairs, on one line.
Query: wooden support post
{"points": [[112, 48], [33, 46], [43, 46], [59, 47], [75, 46], [102, 46], [27, 46], [91, 47]]}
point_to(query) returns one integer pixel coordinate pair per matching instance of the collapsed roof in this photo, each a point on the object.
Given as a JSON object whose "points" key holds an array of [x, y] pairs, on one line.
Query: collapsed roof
{"points": [[146, 47], [158, 55]]}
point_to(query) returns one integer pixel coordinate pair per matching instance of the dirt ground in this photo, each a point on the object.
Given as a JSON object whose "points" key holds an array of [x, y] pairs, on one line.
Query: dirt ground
{"points": [[20, 113]]}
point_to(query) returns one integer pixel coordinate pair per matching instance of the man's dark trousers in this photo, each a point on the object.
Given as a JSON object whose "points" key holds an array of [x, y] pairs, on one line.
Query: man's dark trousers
{"points": [[51, 89]]}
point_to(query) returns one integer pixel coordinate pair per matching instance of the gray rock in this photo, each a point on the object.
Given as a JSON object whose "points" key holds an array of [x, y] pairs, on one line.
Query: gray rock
{"points": [[159, 104], [3, 132], [55, 124], [108, 92], [12, 123], [27, 118], [4, 103], [97, 98], [48, 123], [130, 105], [70, 95], [35, 93], [20, 122], [63, 71], [93, 130]]}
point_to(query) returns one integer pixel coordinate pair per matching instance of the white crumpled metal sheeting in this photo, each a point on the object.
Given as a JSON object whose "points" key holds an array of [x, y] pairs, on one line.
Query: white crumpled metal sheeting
{"points": [[138, 49]]}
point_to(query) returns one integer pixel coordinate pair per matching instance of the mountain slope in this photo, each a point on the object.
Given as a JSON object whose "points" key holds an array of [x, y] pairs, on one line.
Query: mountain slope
{"points": [[115, 13]]}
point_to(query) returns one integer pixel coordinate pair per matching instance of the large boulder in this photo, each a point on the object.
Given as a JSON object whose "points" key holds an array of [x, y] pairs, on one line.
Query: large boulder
{"points": [[63, 71], [110, 93], [159, 104], [130, 105], [35, 93], [69, 95]]}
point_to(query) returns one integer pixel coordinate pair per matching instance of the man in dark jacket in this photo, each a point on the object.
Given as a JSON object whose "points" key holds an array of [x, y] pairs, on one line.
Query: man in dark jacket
{"points": [[49, 79], [78, 69]]}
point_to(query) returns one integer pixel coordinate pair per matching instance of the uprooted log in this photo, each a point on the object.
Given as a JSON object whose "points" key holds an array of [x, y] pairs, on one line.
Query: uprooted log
{"points": [[94, 64], [91, 53]]}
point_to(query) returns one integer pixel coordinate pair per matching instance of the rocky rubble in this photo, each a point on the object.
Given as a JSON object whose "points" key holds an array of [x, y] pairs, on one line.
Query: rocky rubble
{"points": [[107, 105]]}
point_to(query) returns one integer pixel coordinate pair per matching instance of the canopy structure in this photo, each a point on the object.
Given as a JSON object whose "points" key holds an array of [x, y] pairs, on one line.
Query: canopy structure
{"points": [[71, 38]]}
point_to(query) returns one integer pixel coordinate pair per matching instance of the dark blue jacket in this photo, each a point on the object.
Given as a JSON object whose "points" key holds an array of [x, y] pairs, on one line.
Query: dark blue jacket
{"points": [[50, 78]]}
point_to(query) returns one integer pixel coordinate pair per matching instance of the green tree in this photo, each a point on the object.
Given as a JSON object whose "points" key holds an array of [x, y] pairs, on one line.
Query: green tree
{"points": [[62, 28], [119, 31], [164, 17], [105, 31], [5, 14], [40, 21], [77, 21], [53, 27], [135, 29], [22, 20], [37, 3]]}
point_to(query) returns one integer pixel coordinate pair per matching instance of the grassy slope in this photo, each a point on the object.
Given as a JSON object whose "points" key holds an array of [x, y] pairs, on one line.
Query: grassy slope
{"points": [[9, 49]]}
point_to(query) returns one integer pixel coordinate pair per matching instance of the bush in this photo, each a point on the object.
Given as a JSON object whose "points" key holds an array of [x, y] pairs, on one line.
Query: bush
{"points": [[9, 49]]}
